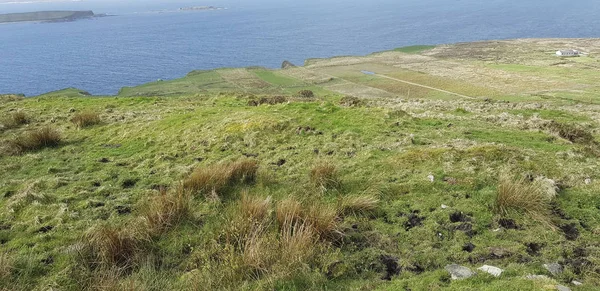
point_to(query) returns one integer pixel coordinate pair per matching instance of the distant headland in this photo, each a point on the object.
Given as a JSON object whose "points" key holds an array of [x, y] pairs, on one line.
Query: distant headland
{"points": [[48, 16], [196, 8]]}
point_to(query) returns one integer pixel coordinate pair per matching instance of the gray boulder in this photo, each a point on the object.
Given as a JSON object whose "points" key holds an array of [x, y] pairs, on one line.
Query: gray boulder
{"points": [[494, 271], [554, 268], [459, 272]]}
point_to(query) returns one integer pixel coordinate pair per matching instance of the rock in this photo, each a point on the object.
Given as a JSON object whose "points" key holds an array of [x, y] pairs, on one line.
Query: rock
{"points": [[554, 268], [494, 271], [562, 288], [444, 206], [459, 272], [588, 181], [548, 186], [287, 64], [576, 283], [537, 277], [431, 178]]}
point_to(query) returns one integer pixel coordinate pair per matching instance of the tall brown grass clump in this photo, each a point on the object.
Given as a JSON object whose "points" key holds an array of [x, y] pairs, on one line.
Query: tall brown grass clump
{"points": [[217, 178], [325, 176], [288, 211], [166, 209], [297, 241], [358, 204], [86, 119], [522, 196], [324, 220], [35, 140], [107, 246], [255, 208], [15, 119]]}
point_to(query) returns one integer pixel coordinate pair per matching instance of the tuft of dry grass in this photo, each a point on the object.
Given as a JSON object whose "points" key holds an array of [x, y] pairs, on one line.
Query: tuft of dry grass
{"points": [[111, 246], [35, 140], [297, 241], [325, 176], [15, 119], [166, 209], [522, 196], [86, 119], [5, 266], [215, 179], [254, 208], [358, 204], [324, 220], [288, 210]]}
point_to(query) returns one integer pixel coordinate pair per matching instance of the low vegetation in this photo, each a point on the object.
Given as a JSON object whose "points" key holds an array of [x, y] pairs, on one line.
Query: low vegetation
{"points": [[187, 187], [86, 119], [522, 196], [34, 140]]}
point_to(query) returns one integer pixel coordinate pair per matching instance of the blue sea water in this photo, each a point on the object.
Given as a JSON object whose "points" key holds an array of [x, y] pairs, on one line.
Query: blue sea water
{"points": [[141, 45]]}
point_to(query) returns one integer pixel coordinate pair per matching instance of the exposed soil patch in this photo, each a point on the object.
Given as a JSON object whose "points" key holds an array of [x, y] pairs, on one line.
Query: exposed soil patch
{"points": [[123, 209], [570, 230], [459, 217], [104, 160], [46, 229], [533, 248], [508, 223], [414, 220], [468, 247], [128, 183], [391, 267]]}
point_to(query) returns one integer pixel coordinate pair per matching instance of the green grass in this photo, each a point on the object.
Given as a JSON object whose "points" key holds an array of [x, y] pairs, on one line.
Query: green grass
{"points": [[414, 49], [105, 208]]}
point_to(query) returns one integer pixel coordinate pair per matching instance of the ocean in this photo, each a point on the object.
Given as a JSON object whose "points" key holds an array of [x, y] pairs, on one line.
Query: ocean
{"points": [[150, 40]]}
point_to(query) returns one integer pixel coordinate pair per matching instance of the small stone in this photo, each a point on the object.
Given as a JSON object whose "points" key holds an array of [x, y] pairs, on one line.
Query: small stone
{"points": [[576, 283], [588, 181], [494, 271], [459, 272], [554, 268], [444, 206], [562, 288], [537, 277], [431, 178]]}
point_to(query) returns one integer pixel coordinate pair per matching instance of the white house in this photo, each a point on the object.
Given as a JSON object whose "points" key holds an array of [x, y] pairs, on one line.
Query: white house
{"points": [[568, 53]]}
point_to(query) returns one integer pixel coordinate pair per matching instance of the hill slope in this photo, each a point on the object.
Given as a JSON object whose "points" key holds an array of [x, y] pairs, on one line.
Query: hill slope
{"points": [[242, 179]]}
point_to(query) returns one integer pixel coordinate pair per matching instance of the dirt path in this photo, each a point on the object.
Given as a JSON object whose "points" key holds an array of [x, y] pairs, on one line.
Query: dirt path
{"points": [[424, 86]]}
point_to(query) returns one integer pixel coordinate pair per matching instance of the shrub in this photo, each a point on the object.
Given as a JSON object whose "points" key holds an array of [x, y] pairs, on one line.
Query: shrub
{"points": [[306, 94], [86, 119], [166, 209], [358, 204], [325, 176], [522, 196], [35, 140], [108, 246], [217, 178]]}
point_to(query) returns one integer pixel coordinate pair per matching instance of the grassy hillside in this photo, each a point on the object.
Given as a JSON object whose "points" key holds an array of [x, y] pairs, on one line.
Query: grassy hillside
{"points": [[45, 16], [311, 178]]}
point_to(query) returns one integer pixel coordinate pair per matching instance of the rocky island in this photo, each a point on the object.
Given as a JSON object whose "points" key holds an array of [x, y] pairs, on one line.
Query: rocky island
{"points": [[47, 16], [200, 8]]}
